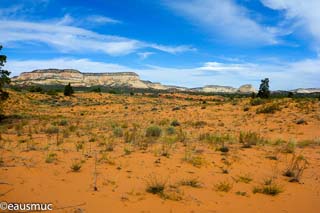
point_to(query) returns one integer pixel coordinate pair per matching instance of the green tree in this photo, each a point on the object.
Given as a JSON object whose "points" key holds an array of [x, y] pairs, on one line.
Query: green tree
{"points": [[264, 91], [4, 77], [68, 90]]}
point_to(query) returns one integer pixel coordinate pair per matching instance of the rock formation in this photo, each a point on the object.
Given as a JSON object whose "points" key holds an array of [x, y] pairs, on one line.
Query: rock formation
{"points": [[117, 79], [76, 78]]}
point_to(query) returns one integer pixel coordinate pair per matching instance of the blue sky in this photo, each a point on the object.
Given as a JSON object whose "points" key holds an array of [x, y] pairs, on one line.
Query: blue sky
{"points": [[177, 42]]}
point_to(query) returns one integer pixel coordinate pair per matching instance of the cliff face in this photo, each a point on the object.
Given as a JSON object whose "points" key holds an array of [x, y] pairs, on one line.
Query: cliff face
{"points": [[76, 78], [247, 88], [119, 79], [306, 90]]}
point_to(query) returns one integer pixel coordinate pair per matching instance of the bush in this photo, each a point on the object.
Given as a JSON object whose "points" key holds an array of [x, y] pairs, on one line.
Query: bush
{"points": [[153, 131], [268, 109], [301, 121], [52, 130], [289, 147], [35, 89], [257, 101], [170, 130], [193, 182], [63, 123], [268, 188], [51, 158], [175, 123], [155, 185], [52, 92], [224, 149], [296, 168], [248, 139], [118, 132], [244, 178], [193, 159], [223, 186], [76, 166]]}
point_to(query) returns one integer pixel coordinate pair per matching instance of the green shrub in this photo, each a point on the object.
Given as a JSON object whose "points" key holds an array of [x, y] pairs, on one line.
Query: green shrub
{"points": [[170, 130], [289, 147], [63, 123], [193, 182], [268, 109], [175, 123], [51, 157], [296, 168], [244, 178], [52, 130], [155, 185], [75, 166], [195, 160], [257, 101], [52, 92], [153, 131], [248, 139], [35, 89], [268, 189], [118, 132], [223, 186], [224, 149]]}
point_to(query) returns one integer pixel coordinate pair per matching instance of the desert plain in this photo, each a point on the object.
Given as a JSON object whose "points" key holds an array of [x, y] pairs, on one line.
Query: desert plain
{"points": [[100, 152]]}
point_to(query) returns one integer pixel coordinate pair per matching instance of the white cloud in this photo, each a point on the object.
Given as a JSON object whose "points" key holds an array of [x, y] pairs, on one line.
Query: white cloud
{"points": [[221, 67], [144, 55], [304, 74], [102, 19], [67, 38], [66, 20], [226, 19], [171, 49], [305, 12]]}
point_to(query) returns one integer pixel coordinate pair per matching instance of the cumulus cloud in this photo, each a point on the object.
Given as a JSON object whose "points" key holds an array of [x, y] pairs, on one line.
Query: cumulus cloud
{"points": [[225, 18], [304, 73]]}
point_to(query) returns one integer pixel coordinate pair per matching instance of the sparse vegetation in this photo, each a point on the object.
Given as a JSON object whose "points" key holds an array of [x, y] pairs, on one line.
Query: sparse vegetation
{"points": [[193, 182], [118, 132], [249, 139], [244, 178], [153, 131], [51, 157], [76, 166], [268, 188], [155, 185], [268, 108], [296, 167], [114, 139], [223, 186]]}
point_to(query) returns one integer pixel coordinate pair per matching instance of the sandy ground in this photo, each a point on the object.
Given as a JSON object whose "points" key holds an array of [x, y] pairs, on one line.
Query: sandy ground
{"points": [[93, 130]]}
